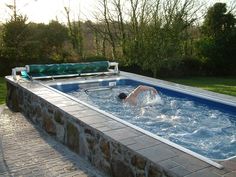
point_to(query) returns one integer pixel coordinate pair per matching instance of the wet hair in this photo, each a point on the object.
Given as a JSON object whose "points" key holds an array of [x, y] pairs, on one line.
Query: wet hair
{"points": [[122, 96]]}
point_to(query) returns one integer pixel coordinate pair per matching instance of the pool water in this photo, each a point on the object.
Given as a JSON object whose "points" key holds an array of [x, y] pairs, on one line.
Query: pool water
{"points": [[191, 124]]}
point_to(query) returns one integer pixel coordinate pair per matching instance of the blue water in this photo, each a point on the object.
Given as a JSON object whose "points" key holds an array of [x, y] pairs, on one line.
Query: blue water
{"points": [[197, 126]]}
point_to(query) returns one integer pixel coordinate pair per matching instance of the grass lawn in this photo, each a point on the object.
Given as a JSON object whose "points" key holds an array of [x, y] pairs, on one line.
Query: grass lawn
{"points": [[3, 90], [225, 85]]}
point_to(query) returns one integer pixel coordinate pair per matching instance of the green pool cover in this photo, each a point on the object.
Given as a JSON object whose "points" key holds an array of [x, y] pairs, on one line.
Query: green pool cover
{"points": [[36, 70]]}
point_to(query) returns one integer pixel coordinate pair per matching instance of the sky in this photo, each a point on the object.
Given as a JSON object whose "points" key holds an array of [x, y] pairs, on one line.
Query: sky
{"points": [[42, 11]]}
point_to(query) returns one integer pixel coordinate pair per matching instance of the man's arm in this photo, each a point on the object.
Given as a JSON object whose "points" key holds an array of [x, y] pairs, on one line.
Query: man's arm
{"points": [[132, 97], [143, 88]]}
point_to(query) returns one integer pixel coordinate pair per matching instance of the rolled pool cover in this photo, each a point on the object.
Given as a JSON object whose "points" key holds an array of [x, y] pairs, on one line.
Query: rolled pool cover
{"points": [[39, 70]]}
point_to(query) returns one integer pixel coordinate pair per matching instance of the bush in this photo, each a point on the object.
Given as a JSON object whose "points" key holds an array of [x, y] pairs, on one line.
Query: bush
{"points": [[95, 58], [192, 67], [187, 66], [135, 69]]}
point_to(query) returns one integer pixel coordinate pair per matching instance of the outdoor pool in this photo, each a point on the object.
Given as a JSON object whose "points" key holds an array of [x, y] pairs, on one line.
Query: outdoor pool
{"points": [[204, 126]]}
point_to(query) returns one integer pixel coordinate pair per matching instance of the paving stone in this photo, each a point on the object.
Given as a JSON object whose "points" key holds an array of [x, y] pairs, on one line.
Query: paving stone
{"points": [[233, 159], [93, 119], [104, 129], [84, 113], [232, 174], [128, 141], [202, 173], [230, 164], [157, 153], [143, 142], [44, 92], [190, 163], [61, 100], [73, 108], [180, 171], [28, 151], [122, 133], [219, 171], [48, 95], [110, 124], [168, 164], [65, 103]]}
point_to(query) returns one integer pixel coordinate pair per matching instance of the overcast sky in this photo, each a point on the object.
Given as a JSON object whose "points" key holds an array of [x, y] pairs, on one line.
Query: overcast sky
{"points": [[42, 11], [46, 10]]}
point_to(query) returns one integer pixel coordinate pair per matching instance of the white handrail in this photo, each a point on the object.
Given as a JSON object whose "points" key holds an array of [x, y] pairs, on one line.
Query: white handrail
{"points": [[16, 70], [115, 64]]}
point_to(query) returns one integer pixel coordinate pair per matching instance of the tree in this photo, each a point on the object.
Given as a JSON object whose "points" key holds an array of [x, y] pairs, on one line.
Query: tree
{"points": [[217, 21], [24, 42], [75, 33], [147, 33], [15, 35], [162, 29], [56, 35], [218, 41], [109, 30]]}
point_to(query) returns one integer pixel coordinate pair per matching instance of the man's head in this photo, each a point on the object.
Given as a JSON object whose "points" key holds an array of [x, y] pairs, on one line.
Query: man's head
{"points": [[122, 96]]}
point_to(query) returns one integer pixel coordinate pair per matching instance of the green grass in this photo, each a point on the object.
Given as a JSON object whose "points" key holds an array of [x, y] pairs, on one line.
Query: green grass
{"points": [[3, 90], [216, 84]]}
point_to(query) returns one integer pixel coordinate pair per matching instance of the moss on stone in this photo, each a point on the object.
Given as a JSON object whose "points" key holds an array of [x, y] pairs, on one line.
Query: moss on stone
{"points": [[138, 162], [49, 126], [58, 117], [72, 137]]}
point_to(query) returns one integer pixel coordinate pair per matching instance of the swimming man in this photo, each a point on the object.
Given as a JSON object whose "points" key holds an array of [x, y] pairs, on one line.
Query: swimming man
{"points": [[132, 97]]}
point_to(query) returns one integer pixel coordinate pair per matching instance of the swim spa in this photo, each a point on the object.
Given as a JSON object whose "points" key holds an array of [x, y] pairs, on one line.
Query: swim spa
{"points": [[103, 138], [201, 125]]}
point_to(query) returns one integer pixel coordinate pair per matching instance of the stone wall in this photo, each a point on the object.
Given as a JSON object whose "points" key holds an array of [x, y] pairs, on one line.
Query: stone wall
{"points": [[106, 154]]}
